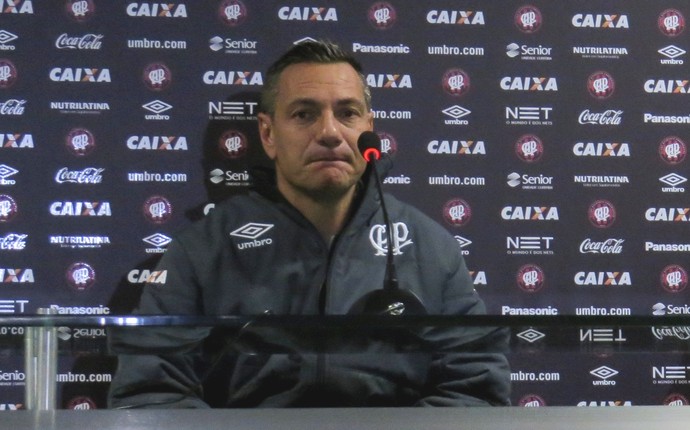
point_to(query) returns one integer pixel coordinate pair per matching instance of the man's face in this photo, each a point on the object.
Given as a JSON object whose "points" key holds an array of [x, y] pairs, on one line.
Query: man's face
{"points": [[320, 112]]}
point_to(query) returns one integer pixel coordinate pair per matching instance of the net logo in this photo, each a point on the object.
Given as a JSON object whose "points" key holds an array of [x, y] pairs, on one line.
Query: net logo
{"points": [[232, 12], [517, 83], [667, 214], [287, 13], [382, 15], [529, 245], [386, 80], [528, 19], [601, 85], [459, 17], [667, 86], [79, 208], [602, 279], [460, 147], [77, 74], [671, 22], [457, 212], [601, 149], [16, 276], [674, 278], [16, 140], [530, 213], [220, 77], [155, 10], [530, 278], [588, 20], [17, 6], [528, 115], [157, 143]]}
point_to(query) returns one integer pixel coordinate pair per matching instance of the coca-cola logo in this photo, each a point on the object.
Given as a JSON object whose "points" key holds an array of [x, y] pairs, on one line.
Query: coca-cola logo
{"points": [[12, 107], [679, 332], [13, 242], [88, 41], [90, 175], [232, 144], [457, 212], [608, 117], [608, 246]]}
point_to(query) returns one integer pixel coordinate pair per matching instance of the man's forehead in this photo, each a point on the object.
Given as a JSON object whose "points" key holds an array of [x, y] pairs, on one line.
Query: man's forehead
{"points": [[305, 80]]}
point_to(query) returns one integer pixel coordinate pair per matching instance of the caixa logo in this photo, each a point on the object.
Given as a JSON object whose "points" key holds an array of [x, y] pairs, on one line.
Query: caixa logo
{"points": [[145, 276], [17, 6], [378, 236], [76, 74], [602, 279], [157, 10], [529, 83], [78, 208], [389, 80], [478, 277], [16, 276], [459, 17], [157, 143], [601, 149], [288, 13], [232, 77], [16, 140], [530, 213], [590, 20]]}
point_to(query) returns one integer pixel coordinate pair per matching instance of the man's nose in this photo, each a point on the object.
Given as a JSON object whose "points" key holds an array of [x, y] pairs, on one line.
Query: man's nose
{"points": [[328, 130]]}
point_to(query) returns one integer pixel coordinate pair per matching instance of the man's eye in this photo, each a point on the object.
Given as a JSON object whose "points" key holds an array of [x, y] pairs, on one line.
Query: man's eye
{"points": [[302, 115]]}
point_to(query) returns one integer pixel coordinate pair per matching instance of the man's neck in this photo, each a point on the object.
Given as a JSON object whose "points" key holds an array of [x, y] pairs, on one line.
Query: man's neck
{"points": [[327, 215]]}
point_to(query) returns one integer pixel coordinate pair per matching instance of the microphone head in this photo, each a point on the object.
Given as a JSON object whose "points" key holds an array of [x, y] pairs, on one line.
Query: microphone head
{"points": [[389, 302], [369, 144]]}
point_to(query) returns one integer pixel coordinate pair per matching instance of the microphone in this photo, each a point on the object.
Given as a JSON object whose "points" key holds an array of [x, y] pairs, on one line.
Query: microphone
{"points": [[390, 299]]}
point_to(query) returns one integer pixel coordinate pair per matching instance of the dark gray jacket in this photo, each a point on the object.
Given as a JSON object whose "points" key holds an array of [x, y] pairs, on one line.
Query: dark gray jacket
{"points": [[256, 254]]}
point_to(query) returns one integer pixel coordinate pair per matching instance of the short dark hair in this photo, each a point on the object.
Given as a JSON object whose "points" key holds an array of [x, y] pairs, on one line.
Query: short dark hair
{"points": [[310, 51]]}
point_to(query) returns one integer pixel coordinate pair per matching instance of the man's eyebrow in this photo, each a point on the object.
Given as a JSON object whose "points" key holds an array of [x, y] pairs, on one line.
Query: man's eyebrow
{"points": [[352, 101]]}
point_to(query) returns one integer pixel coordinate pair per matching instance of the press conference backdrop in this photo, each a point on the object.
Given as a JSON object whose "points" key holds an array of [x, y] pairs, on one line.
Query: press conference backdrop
{"points": [[549, 138]]}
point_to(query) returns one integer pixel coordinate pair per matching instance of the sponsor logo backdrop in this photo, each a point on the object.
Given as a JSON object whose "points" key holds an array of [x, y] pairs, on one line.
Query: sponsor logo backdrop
{"points": [[549, 137]]}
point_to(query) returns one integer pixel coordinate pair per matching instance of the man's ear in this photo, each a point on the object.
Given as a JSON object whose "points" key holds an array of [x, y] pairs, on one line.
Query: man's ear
{"points": [[266, 134]]}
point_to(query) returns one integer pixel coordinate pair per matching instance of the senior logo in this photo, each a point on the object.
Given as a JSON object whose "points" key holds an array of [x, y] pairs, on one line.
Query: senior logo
{"points": [[378, 236]]}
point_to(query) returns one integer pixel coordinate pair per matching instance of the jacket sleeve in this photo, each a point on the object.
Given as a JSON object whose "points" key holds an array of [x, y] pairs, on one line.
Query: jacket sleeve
{"points": [[469, 367], [157, 365]]}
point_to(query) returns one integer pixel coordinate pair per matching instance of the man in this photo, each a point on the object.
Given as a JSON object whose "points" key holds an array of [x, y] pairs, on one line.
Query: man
{"points": [[311, 254]]}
